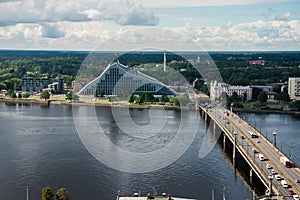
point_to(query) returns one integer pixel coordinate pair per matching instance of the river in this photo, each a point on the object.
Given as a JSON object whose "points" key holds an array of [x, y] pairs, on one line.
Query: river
{"points": [[40, 146]]}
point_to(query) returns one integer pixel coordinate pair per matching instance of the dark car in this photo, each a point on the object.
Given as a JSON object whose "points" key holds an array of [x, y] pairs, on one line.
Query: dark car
{"points": [[291, 192]]}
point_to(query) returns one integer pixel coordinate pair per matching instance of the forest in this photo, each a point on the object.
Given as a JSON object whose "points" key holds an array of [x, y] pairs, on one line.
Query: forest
{"points": [[235, 67]]}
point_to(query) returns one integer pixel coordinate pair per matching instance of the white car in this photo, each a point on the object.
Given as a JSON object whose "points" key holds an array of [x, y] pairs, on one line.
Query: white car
{"points": [[268, 166], [296, 197], [273, 171], [277, 176]]}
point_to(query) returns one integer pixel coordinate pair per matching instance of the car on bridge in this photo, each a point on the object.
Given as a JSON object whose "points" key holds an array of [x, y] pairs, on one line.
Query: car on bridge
{"points": [[284, 183], [291, 192], [277, 176]]}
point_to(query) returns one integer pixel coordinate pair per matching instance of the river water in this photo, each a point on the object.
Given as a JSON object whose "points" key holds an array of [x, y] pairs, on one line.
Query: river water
{"points": [[40, 146]]}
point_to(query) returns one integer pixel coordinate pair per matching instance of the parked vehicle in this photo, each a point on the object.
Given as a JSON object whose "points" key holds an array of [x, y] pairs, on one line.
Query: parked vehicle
{"points": [[285, 161], [273, 171], [269, 166], [291, 192], [297, 181], [284, 184], [261, 157]]}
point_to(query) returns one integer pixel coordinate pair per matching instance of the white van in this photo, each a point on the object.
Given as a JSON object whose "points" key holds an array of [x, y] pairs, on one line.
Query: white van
{"points": [[284, 184], [261, 157]]}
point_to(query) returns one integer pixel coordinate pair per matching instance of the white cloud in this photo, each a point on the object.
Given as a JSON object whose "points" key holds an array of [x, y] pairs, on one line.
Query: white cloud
{"points": [[199, 3], [283, 16], [123, 12], [257, 35]]}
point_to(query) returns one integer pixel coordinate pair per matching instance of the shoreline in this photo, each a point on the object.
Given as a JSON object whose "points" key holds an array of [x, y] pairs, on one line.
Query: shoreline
{"points": [[267, 111], [65, 103], [135, 106]]}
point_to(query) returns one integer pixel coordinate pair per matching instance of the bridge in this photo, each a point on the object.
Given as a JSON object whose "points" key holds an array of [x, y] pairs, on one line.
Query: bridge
{"points": [[235, 130]]}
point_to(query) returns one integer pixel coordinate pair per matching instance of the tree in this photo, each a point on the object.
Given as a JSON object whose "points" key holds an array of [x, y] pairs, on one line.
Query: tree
{"points": [[164, 98], [295, 105], [140, 99], [283, 96], [71, 96], [245, 97], [175, 101], [131, 98], [19, 95], [47, 193], [262, 97], [45, 95], [62, 194], [13, 95], [26, 95]]}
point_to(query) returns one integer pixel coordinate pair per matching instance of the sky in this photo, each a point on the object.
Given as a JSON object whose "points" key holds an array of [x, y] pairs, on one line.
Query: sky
{"points": [[215, 25]]}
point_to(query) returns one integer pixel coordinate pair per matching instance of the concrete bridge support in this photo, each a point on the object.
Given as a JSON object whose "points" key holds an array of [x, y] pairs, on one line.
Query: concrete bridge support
{"points": [[224, 142], [234, 152], [214, 131], [251, 175]]}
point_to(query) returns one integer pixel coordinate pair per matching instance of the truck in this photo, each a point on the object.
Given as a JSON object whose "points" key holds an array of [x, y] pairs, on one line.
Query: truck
{"points": [[286, 162], [261, 157]]}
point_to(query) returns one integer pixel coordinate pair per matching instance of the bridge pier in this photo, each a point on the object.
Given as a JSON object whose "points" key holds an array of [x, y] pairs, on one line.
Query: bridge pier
{"points": [[234, 152], [214, 128], [251, 175], [224, 142]]}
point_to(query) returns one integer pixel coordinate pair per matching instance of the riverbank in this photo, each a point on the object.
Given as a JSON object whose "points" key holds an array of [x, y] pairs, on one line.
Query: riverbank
{"points": [[81, 103], [267, 111]]}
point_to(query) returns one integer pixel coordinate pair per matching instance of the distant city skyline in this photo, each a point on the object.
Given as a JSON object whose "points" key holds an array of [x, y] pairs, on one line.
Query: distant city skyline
{"points": [[215, 25]]}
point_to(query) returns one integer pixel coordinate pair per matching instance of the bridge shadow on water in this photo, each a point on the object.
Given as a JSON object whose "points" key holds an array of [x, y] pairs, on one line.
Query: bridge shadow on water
{"points": [[240, 166]]}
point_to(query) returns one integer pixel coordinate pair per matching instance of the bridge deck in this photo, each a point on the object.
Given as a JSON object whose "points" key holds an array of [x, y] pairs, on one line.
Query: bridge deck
{"points": [[230, 123]]}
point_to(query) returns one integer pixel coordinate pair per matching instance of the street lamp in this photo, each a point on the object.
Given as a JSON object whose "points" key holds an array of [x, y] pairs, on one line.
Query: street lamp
{"points": [[270, 184], [274, 138]]}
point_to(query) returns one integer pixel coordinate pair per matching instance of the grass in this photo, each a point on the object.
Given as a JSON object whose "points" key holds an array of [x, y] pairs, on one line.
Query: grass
{"points": [[255, 105]]}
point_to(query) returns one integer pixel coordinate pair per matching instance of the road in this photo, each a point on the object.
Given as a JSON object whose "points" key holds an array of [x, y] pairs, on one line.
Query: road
{"points": [[272, 154]]}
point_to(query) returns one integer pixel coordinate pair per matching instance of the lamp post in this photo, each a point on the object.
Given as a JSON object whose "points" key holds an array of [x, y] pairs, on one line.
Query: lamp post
{"points": [[270, 184], [274, 138]]}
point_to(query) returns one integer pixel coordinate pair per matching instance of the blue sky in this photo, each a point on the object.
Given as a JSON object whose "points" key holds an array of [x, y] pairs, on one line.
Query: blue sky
{"points": [[213, 24], [222, 15]]}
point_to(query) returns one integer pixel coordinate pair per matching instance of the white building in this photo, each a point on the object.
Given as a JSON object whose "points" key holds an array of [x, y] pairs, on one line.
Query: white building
{"points": [[241, 91], [216, 89], [294, 88]]}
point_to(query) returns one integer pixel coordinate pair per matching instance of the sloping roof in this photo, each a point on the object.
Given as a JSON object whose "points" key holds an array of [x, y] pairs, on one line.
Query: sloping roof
{"points": [[127, 72]]}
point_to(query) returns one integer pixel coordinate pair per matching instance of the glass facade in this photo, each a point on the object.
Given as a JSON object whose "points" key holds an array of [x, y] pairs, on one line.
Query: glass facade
{"points": [[117, 78]]}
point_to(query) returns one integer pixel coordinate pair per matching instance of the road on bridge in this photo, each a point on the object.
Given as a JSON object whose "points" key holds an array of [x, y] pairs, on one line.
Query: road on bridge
{"points": [[271, 153]]}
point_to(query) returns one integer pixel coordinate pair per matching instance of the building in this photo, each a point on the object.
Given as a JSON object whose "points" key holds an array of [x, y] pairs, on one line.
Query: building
{"points": [[241, 91], [257, 62], [117, 78], [216, 90], [294, 88], [32, 85], [266, 88]]}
